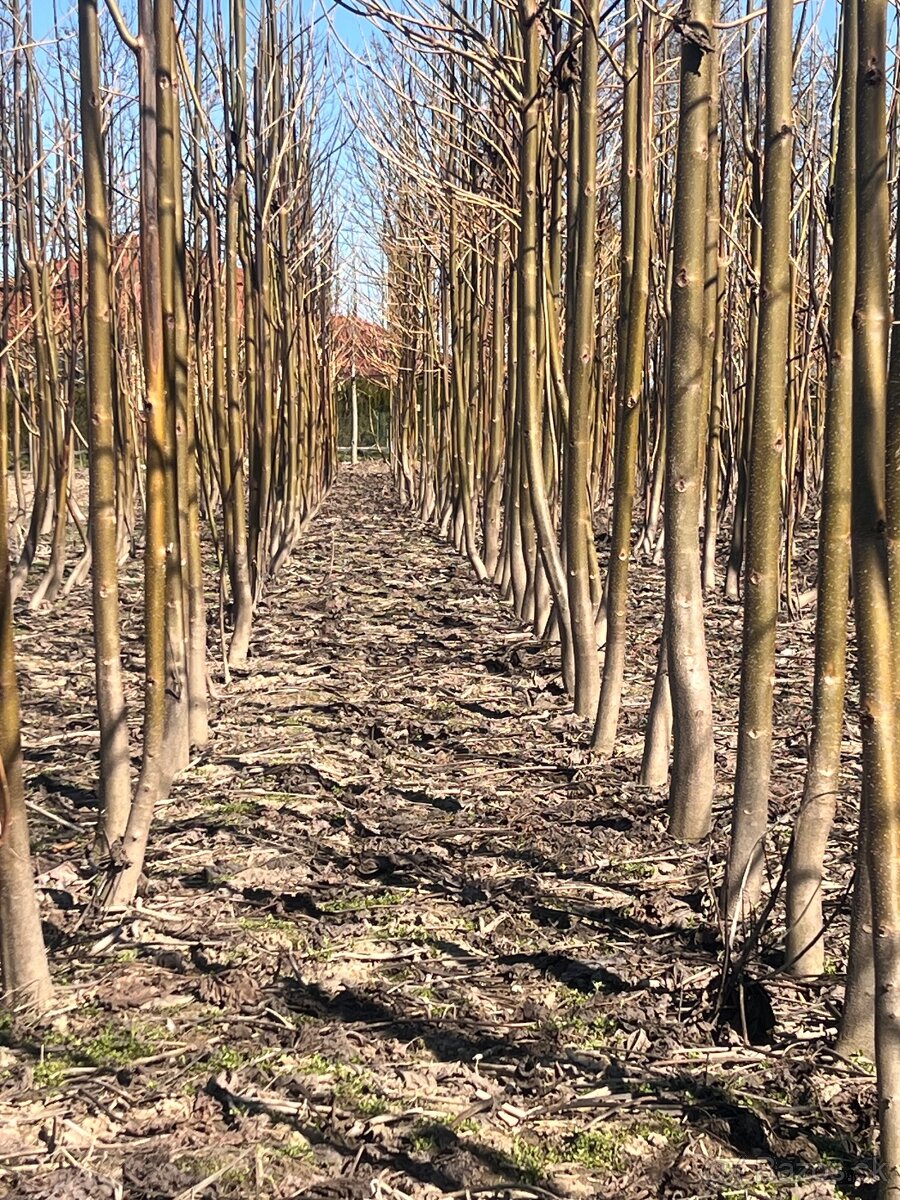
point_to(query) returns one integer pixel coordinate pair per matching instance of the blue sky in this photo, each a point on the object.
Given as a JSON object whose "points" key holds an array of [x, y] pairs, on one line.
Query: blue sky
{"points": [[357, 240], [357, 246], [350, 27], [352, 30]]}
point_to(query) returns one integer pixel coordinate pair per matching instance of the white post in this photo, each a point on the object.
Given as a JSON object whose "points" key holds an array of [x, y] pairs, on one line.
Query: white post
{"points": [[354, 418]]}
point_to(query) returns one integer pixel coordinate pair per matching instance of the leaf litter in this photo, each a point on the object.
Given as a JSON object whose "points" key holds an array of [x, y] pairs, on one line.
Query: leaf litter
{"points": [[400, 935]]}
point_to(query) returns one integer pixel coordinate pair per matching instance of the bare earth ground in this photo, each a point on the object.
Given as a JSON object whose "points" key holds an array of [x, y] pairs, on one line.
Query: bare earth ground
{"points": [[400, 936]]}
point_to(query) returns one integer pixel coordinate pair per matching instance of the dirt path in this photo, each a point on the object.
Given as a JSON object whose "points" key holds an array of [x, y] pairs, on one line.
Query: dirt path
{"points": [[399, 938]]}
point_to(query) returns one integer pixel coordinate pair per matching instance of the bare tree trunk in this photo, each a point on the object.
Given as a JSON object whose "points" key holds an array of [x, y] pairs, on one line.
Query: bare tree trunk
{"points": [[805, 949], [628, 413], [115, 766], [186, 463], [872, 600], [155, 773], [693, 766], [240, 573], [530, 375], [168, 176], [744, 873], [856, 1034], [577, 515], [23, 959], [493, 485], [658, 734]]}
